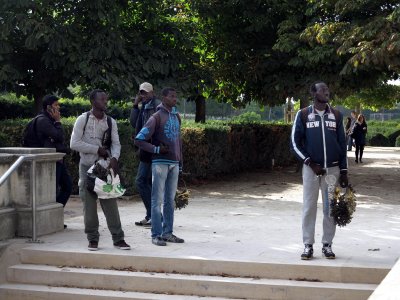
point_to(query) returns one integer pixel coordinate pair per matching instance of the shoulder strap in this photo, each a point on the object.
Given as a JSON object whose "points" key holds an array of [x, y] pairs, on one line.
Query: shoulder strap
{"points": [[34, 126], [87, 119], [303, 115]]}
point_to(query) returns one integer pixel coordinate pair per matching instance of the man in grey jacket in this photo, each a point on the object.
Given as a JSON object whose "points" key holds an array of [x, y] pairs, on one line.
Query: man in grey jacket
{"points": [[87, 138]]}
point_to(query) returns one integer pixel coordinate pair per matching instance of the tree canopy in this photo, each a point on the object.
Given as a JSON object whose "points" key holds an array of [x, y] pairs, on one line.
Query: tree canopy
{"points": [[235, 51]]}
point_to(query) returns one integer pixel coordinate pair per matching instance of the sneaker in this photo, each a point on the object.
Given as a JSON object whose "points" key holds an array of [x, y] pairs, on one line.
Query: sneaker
{"points": [[173, 239], [93, 246], [144, 222], [158, 241], [308, 252], [122, 245], [327, 251]]}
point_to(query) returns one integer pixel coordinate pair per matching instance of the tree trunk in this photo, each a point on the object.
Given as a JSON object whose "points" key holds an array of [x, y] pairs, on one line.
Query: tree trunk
{"points": [[200, 109], [38, 97]]}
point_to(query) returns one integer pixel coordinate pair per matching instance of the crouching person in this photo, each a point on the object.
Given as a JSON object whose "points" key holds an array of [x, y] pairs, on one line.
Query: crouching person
{"points": [[163, 130], [93, 138]]}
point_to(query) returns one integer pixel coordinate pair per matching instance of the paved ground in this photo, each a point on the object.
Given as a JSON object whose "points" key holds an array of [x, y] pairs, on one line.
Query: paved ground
{"points": [[257, 217]]}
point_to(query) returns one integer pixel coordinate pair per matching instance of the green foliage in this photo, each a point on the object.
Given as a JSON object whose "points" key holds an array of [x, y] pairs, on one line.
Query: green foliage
{"points": [[397, 144], [379, 140], [247, 117], [14, 107], [47, 45], [382, 96]]}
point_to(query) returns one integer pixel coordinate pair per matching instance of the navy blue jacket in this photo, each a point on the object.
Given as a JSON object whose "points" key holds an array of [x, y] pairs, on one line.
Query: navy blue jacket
{"points": [[139, 117], [323, 139]]}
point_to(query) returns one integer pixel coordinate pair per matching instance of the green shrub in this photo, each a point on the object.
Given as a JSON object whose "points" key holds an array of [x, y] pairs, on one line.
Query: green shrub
{"points": [[393, 137], [397, 143], [209, 149], [14, 107], [379, 140]]}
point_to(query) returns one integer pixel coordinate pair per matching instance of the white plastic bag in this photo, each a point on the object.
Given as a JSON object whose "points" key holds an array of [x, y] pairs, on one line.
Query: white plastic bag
{"points": [[110, 189]]}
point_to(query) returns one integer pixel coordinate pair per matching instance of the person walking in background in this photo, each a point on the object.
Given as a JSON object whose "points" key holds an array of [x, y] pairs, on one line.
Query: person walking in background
{"points": [[318, 139], [88, 139], [359, 134], [139, 117], [350, 139], [163, 130], [348, 128]]}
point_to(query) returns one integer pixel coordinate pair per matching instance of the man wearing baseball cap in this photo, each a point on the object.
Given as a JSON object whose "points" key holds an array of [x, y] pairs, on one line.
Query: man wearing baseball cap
{"points": [[138, 118]]}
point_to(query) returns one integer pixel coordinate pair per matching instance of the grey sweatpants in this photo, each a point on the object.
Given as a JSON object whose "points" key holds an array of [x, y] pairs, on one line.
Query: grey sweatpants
{"points": [[91, 219], [311, 186]]}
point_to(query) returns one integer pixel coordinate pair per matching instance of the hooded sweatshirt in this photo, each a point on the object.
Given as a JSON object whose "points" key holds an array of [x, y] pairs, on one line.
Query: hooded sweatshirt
{"points": [[163, 128]]}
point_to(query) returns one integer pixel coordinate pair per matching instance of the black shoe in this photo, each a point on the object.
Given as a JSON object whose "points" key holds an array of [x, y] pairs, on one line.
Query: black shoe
{"points": [[65, 226], [173, 239], [122, 245], [158, 241], [144, 223], [327, 251], [356, 161], [308, 252], [93, 246]]}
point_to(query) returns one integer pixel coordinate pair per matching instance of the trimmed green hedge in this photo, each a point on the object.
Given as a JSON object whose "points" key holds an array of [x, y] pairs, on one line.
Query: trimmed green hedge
{"points": [[13, 107], [209, 150]]}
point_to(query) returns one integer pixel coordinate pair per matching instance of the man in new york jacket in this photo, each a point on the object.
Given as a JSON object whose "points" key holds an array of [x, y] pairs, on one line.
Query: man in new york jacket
{"points": [[318, 139], [139, 117]]}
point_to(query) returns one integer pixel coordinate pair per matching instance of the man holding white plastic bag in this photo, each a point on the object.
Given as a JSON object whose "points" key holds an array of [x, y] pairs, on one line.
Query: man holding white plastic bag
{"points": [[95, 136]]}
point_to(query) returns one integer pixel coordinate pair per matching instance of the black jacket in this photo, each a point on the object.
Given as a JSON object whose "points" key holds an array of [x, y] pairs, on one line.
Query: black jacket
{"points": [[138, 118], [359, 133], [321, 138], [50, 133]]}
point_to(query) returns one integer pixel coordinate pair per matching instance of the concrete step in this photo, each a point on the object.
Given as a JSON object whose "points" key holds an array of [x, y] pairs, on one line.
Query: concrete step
{"points": [[43, 292], [181, 284], [309, 271]]}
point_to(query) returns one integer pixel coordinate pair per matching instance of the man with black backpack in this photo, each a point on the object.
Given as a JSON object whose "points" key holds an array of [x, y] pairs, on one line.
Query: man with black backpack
{"points": [[45, 131], [318, 140], [95, 135]]}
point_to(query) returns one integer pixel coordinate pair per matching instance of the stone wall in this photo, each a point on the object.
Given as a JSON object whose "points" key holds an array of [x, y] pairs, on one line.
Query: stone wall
{"points": [[16, 194]]}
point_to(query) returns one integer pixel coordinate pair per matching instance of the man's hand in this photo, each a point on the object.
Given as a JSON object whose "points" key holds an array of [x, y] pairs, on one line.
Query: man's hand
{"points": [[138, 99], [114, 165], [55, 114], [164, 149], [102, 152], [318, 170], [343, 179]]}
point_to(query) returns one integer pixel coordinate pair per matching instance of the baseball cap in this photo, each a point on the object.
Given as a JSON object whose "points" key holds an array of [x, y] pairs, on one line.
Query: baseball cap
{"points": [[145, 86]]}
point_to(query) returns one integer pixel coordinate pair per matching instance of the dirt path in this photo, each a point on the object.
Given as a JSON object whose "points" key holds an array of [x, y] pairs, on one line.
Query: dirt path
{"points": [[376, 181]]}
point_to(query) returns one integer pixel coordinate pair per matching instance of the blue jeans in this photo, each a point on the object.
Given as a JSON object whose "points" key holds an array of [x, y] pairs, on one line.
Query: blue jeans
{"points": [[143, 184], [165, 182]]}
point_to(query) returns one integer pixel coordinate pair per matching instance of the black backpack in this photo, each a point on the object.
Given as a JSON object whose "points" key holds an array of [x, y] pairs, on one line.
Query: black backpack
{"points": [[29, 135]]}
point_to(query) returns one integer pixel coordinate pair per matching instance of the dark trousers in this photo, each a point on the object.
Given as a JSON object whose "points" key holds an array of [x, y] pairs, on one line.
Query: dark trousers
{"points": [[64, 183], [143, 184], [359, 150]]}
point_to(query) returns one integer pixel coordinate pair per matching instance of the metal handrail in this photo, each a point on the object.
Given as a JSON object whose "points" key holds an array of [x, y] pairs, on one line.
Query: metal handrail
{"points": [[13, 167], [7, 174]]}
